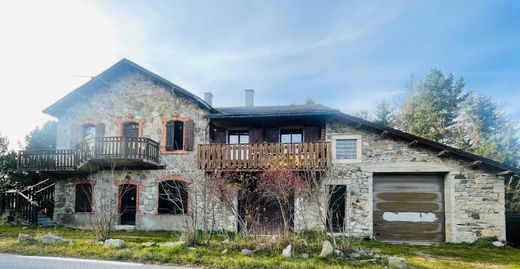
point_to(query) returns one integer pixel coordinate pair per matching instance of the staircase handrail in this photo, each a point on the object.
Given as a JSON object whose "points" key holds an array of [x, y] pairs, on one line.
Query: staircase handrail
{"points": [[35, 185], [27, 198], [51, 185]]}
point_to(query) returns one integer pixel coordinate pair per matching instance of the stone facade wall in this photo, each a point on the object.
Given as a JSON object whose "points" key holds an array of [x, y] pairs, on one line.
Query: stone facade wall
{"points": [[474, 199], [135, 95]]}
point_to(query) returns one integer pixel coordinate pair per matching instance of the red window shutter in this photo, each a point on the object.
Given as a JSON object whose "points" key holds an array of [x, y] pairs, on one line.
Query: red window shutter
{"points": [[188, 135]]}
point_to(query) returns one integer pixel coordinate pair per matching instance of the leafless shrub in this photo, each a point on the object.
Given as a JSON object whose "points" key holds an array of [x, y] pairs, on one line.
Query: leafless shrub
{"points": [[104, 207]]}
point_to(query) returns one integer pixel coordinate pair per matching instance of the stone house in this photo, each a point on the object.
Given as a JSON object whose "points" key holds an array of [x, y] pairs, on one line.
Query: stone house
{"points": [[130, 129]]}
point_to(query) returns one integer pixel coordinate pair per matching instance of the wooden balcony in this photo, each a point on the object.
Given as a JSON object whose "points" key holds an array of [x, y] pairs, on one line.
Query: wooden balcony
{"points": [[251, 157], [94, 154]]}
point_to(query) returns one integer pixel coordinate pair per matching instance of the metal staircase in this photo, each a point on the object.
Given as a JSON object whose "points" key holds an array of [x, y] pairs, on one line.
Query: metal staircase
{"points": [[33, 205]]}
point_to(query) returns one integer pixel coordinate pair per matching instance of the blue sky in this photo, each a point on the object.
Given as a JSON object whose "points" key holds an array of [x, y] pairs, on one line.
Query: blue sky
{"points": [[346, 54]]}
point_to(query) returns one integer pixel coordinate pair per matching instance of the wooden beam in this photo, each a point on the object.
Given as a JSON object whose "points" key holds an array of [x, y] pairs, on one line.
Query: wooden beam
{"points": [[413, 143], [475, 164], [442, 153], [383, 134]]}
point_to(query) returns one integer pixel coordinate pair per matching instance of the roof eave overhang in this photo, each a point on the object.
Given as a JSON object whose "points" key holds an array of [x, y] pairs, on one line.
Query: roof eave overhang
{"points": [[420, 141], [58, 109], [269, 115]]}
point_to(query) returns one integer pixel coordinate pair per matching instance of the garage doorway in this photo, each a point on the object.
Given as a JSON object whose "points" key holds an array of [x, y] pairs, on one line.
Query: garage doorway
{"points": [[409, 207]]}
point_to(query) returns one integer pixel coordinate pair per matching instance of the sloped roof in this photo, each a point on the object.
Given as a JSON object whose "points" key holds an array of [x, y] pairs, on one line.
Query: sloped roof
{"points": [[273, 111], [125, 65], [423, 142], [113, 72]]}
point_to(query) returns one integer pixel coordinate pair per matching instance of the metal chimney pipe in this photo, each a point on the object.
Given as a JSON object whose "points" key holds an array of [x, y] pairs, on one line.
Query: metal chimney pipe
{"points": [[250, 97]]}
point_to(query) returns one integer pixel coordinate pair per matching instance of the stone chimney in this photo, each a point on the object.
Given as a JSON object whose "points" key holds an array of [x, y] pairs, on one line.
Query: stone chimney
{"points": [[208, 98], [250, 97]]}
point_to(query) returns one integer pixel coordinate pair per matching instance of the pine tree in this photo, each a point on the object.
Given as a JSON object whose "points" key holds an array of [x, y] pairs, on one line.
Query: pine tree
{"points": [[384, 115], [42, 138], [431, 107]]}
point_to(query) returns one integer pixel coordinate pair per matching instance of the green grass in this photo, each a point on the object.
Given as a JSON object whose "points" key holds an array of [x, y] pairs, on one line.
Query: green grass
{"points": [[479, 255]]}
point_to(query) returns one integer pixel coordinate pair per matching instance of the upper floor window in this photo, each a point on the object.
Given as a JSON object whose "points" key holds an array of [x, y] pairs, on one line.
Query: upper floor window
{"points": [[291, 136], [177, 135], [173, 197], [88, 131], [174, 135], [131, 129], [83, 197], [346, 148], [238, 137]]}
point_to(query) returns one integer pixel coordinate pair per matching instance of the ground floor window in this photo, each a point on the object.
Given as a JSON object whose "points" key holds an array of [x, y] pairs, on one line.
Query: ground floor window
{"points": [[83, 197], [173, 197], [337, 208]]}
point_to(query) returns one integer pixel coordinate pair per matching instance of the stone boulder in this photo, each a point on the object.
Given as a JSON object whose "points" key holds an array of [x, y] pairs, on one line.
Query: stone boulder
{"points": [[396, 262], [51, 238], [327, 249], [498, 244], [246, 252], [116, 243], [287, 251], [26, 239]]}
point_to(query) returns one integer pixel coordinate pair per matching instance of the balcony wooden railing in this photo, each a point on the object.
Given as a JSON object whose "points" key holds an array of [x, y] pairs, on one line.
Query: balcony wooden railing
{"points": [[263, 156], [118, 147], [93, 149], [47, 160]]}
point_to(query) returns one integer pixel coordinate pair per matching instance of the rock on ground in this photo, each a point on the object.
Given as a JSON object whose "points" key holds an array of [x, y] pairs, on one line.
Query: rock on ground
{"points": [[26, 238], [50, 238], [287, 251], [327, 249], [498, 244], [396, 262], [246, 252], [118, 243]]}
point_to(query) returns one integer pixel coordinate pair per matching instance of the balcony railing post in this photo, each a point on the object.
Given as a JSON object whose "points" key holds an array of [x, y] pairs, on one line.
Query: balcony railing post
{"points": [[98, 148], [263, 156]]}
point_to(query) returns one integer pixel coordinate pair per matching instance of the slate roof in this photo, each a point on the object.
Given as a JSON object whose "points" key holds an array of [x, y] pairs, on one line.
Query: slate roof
{"points": [[111, 73], [423, 142], [125, 65], [273, 111]]}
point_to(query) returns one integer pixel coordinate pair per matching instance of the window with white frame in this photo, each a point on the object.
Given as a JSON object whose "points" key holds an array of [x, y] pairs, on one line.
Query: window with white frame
{"points": [[347, 148]]}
